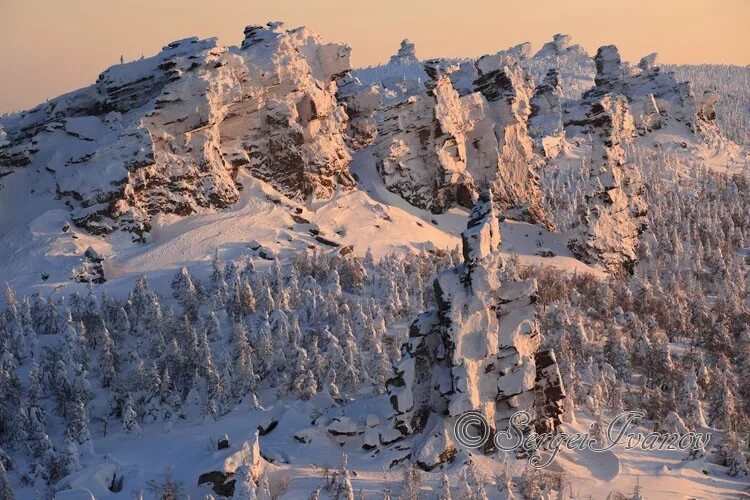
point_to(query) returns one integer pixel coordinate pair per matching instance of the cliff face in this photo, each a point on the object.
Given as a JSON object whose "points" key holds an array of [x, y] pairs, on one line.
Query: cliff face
{"points": [[439, 148], [546, 118], [167, 134], [656, 97], [608, 229], [625, 103], [421, 148]]}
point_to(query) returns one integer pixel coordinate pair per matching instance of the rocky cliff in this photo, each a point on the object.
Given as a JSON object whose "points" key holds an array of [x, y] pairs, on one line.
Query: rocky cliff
{"points": [[167, 134], [439, 148], [626, 102]]}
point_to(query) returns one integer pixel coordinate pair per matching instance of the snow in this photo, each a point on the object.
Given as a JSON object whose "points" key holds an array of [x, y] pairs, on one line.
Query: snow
{"points": [[33, 241], [41, 249]]}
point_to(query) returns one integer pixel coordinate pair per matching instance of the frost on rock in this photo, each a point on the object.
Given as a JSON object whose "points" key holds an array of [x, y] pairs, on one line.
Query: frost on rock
{"points": [[361, 102], [626, 102], [421, 149], [507, 89], [575, 66], [480, 348], [246, 461], [167, 134], [546, 118], [609, 228], [407, 54], [438, 149], [655, 96], [560, 45]]}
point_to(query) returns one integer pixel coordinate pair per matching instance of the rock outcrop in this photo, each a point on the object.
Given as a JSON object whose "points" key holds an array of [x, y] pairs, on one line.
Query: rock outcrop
{"points": [[546, 118], [438, 149], [626, 101], [478, 350], [407, 54], [507, 88], [167, 134], [421, 148], [361, 102], [574, 65], [559, 46], [655, 97], [609, 227]]}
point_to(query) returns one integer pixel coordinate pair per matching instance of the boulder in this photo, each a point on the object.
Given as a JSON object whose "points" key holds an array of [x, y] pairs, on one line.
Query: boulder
{"points": [[343, 426], [223, 442]]}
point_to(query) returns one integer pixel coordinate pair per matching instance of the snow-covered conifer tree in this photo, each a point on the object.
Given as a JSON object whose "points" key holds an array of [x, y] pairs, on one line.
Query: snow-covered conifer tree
{"points": [[445, 488], [130, 417], [411, 484], [244, 487], [184, 290]]}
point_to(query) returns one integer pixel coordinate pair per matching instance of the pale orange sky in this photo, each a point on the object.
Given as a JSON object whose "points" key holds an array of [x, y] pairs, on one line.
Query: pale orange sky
{"points": [[48, 47]]}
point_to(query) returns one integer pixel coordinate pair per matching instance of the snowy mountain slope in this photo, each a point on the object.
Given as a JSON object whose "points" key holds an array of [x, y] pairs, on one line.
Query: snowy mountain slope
{"points": [[189, 444], [269, 107], [662, 475], [167, 134], [370, 217]]}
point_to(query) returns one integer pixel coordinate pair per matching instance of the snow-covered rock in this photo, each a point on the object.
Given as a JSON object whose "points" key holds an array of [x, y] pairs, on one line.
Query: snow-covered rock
{"points": [[223, 479], [75, 494], [92, 482], [436, 445], [343, 426], [438, 149], [609, 228], [407, 53], [546, 118], [421, 149], [476, 351], [559, 45], [361, 102], [573, 63], [655, 97], [167, 134]]}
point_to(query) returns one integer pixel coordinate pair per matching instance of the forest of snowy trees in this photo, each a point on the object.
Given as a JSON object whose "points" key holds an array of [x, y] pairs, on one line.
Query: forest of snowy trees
{"points": [[733, 84], [673, 340]]}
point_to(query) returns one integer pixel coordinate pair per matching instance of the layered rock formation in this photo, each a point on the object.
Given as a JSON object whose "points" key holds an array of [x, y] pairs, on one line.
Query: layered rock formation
{"points": [[361, 102], [655, 97], [421, 149], [438, 149], [167, 134], [574, 65], [614, 216], [626, 101], [479, 349]]}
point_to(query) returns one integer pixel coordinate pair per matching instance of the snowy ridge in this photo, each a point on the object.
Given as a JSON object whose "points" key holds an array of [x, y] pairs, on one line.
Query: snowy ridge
{"points": [[167, 134]]}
